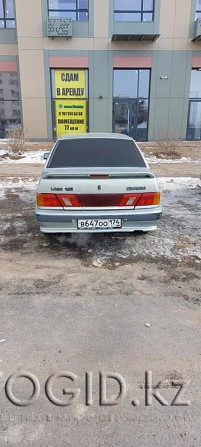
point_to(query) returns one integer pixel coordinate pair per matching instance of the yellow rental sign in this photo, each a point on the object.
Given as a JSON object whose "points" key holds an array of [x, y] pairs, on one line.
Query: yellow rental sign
{"points": [[70, 84], [71, 116], [70, 105]]}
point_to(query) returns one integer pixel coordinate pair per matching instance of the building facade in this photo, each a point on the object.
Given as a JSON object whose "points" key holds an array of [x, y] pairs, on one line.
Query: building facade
{"points": [[126, 66]]}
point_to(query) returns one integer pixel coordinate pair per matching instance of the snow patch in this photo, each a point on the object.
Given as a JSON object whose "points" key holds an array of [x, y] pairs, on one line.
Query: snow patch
{"points": [[152, 159], [20, 184], [27, 157], [175, 183]]}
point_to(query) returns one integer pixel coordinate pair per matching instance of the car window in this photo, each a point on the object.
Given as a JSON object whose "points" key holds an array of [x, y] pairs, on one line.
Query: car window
{"points": [[95, 152]]}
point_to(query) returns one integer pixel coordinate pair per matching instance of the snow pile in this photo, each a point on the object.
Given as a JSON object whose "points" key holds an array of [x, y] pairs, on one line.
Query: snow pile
{"points": [[4, 141], [3, 152], [26, 157], [152, 159]]}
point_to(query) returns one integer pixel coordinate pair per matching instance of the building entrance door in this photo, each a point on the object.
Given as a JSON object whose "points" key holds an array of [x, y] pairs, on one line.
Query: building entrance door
{"points": [[130, 117], [125, 116]]}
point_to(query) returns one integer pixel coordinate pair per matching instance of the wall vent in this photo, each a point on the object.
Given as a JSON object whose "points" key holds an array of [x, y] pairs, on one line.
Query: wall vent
{"points": [[59, 27]]}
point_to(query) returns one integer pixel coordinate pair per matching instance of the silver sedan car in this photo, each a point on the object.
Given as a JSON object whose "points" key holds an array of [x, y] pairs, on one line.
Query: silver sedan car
{"points": [[97, 183]]}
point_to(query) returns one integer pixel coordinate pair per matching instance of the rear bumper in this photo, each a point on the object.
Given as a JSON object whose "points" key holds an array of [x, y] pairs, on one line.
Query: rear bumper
{"points": [[54, 221]]}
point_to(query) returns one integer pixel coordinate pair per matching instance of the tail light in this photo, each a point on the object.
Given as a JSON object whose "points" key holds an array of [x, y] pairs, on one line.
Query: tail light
{"points": [[97, 200], [68, 200], [149, 198], [53, 200], [90, 200], [49, 200], [109, 200], [130, 199]]}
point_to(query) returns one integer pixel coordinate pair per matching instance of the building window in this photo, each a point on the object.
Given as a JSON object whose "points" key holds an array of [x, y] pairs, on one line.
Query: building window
{"points": [[7, 14], [198, 9], [194, 117], [10, 110], [131, 102], [74, 9], [134, 10]]}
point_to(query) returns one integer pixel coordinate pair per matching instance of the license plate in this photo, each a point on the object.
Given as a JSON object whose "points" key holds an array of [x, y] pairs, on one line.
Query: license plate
{"points": [[99, 224]]}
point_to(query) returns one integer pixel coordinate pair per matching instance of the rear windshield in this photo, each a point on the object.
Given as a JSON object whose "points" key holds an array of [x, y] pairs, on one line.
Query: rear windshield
{"points": [[95, 152]]}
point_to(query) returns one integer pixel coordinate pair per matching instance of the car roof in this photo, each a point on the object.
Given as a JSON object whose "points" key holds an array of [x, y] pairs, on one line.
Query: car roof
{"points": [[95, 135]]}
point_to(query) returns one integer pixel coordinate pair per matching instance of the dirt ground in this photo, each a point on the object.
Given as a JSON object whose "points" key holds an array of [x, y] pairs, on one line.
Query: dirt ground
{"points": [[128, 303]]}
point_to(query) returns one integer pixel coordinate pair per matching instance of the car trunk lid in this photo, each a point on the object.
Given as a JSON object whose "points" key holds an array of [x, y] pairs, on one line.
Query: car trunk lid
{"points": [[99, 188]]}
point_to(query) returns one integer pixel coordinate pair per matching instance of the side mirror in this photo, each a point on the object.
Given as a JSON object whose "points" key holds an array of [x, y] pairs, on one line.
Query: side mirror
{"points": [[46, 155]]}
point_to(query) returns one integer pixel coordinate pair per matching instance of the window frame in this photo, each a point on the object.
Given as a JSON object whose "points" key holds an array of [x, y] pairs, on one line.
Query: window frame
{"points": [[188, 132], [192, 100], [136, 99], [7, 19], [8, 104], [198, 11], [138, 70], [141, 11], [198, 98], [77, 11]]}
